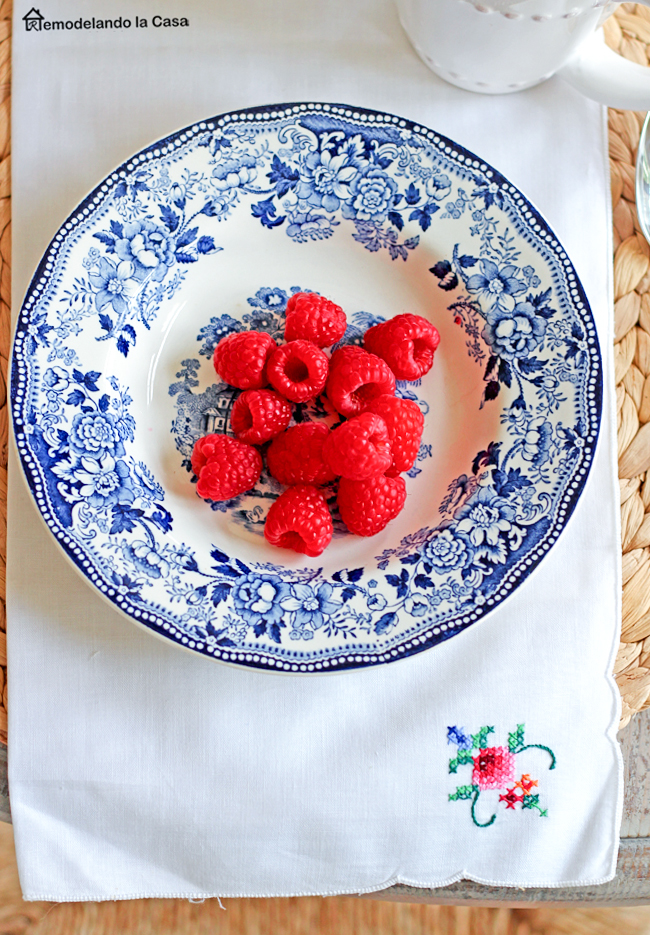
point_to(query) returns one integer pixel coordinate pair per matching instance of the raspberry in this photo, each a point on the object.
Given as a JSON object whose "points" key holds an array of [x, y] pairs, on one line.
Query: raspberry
{"points": [[359, 448], [296, 456], [240, 359], [355, 378], [259, 415], [298, 370], [300, 520], [225, 467], [315, 319], [407, 343], [367, 506], [405, 422]]}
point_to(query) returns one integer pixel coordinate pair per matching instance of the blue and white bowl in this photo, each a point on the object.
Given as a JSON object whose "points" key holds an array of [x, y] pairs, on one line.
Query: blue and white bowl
{"points": [[209, 231]]}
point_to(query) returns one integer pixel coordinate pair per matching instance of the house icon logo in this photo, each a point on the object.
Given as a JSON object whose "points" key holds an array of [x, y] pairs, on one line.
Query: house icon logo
{"points": [[33, 20]]}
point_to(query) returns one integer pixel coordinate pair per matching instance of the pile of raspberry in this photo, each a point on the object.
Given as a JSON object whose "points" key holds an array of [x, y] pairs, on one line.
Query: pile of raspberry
{"points": [[378, 441]]}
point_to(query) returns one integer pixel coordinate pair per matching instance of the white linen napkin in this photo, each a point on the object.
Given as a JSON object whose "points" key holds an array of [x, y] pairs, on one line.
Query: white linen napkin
{"points": [[137, 770]]}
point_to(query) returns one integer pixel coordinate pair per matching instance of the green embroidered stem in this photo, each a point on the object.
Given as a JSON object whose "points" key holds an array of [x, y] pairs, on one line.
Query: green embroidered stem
{"points": [[540, 747], [474, 818]]}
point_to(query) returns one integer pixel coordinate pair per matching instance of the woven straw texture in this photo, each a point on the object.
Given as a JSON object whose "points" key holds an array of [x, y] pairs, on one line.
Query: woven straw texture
{"points": [[628, 31]]}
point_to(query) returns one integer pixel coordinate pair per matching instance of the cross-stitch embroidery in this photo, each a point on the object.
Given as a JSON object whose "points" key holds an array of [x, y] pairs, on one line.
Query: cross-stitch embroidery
{"points": [[494, 768]]}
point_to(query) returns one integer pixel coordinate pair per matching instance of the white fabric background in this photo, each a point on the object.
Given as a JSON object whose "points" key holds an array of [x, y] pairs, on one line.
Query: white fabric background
{"points": [[139, 770]]}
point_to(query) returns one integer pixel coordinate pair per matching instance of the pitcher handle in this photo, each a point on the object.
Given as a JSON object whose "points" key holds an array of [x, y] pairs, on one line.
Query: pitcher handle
{"points": [[605, 76]]}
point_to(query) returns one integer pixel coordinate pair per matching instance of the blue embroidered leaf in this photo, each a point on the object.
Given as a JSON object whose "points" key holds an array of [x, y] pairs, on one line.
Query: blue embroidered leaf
{"points": [[466, 261], [423, 581], [489, 367], [163, 519], [220, 592], [104, 402], [106, 323], [120, 190], [410, 559], [170, 217], [124, 518], [202, 591], [346, 594], [336, 576], [78, 376], [123, 346], [259, 629], [396, 219], [505, 373], [491, 390], [282, 176], [185, 258], [383, 161], [355, 574], [412, 195], [218, 556], [243, 567], [106, 239], [384, 623], [486, 457], [265, 211], [531, 365], [117, 228], [90, 380], [507, 483], [228, 570], [274, 633], [75, 398], [129, 330], [187, 237]]}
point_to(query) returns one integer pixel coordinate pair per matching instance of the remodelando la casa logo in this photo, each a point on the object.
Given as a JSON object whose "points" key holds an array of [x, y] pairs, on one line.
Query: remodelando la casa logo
{"points": [[35, 22]]}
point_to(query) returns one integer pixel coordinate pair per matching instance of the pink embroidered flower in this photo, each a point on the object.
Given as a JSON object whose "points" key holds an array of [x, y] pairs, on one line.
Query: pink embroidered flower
{"points": [[494, 768]]}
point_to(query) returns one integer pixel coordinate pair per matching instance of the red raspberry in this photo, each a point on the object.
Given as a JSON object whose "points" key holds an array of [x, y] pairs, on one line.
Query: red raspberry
{"points": [[360, 448], [225, 467], [259, 415], [300, 520], [240, 359], [407, 343], [315, 319], [355, 378], [296, 456], [298, 370], [367, 506], [405, 422]]}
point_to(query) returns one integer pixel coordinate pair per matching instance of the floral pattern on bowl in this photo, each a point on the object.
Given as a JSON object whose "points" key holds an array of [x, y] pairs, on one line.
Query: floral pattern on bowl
{"points": [[107, 405]]}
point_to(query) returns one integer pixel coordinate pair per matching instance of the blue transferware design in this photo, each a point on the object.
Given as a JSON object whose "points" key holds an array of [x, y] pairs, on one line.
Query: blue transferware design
{"points": [[303, 175]]}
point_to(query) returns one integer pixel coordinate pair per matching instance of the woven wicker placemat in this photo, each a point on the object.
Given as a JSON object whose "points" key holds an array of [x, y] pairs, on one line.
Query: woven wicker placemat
{"points": [[628, 31]]}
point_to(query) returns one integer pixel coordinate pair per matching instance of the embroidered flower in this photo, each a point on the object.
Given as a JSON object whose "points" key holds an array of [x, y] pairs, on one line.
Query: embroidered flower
{"points": [[438, 186], [494, 768], [94, 434], [325, 177], [417, 605], [485, 518], [311, 607], [234, 173], [104, 482], [260, 598], [447, 551], [497, 285], [146, 559], [148, 245], [514, 332], [372, 196], [537, 441], [115, 284]]}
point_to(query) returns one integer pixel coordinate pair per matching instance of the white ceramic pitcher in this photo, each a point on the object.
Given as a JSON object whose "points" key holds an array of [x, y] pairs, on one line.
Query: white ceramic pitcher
{"points": [[500, 46]]}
